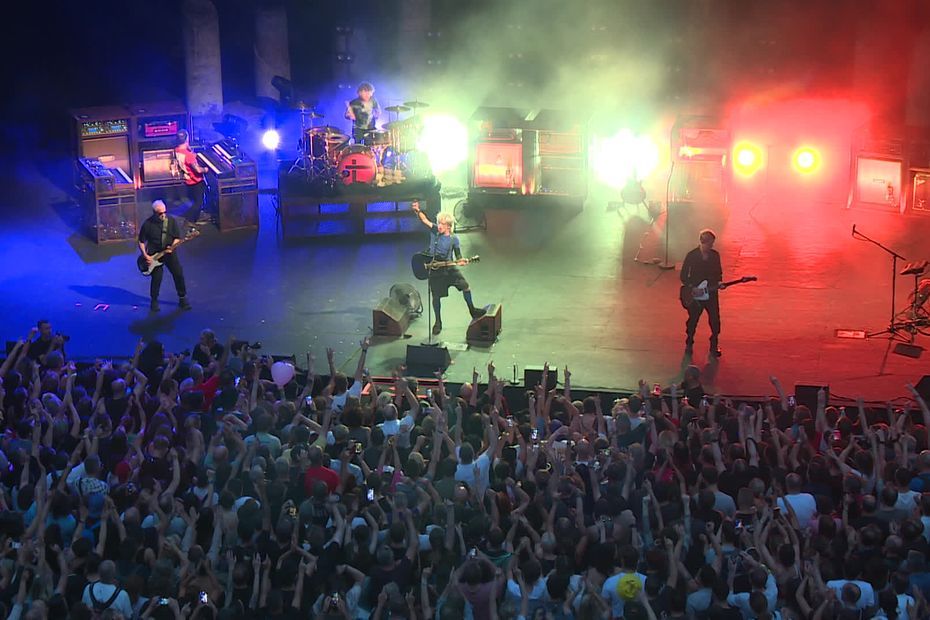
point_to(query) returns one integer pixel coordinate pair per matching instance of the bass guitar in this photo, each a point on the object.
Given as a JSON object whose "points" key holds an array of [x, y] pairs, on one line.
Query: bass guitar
{"points": [[423, 264], [690, 294], [146, 268]]}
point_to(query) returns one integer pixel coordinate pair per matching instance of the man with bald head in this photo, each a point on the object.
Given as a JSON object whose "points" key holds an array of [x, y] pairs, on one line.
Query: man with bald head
{"points": [[161, 233], [804, 504], [106, 593]]}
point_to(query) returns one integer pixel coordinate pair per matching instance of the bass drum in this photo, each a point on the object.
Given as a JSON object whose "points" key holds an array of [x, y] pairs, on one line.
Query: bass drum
{"points": [[357, 165]]}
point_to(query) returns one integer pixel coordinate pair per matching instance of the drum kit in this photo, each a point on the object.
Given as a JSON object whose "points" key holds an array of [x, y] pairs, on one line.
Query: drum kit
{"points": [[385, 156]]}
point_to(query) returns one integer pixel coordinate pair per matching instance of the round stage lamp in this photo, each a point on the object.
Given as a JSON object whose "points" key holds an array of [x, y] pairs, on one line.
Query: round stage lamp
{"points": [[271, 139], [805, 160], [444, 141], [747, 159]]}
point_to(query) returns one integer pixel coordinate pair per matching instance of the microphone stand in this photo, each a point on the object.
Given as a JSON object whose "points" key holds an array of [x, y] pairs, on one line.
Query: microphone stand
{"points": [[892, 329], [429, 307]]}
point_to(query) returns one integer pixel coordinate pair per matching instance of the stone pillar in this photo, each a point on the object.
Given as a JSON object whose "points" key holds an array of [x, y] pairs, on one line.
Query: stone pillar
{"points": [[271, 47], [202, 58], [413, 29]]}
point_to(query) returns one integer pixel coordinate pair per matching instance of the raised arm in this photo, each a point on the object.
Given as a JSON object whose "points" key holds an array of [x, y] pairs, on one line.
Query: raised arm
{"points": [[415, 207]]}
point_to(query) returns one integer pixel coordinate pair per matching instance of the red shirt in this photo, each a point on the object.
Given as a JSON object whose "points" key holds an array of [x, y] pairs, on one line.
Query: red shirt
{"points": [[327, 475], [187, 159]]}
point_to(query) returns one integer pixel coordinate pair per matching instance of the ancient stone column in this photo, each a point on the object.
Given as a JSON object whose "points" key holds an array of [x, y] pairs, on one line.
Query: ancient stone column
{"points": [[271, 47], [201, 36]]}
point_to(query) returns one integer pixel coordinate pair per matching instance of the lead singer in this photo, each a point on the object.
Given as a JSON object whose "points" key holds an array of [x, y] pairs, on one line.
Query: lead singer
{"points": [[443, 246]]}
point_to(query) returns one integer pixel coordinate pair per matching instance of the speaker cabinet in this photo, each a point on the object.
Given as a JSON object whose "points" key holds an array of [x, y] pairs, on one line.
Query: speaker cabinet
{"points": [[533, 375], [487, 327], [237, 210], [422, 359], [807, 395], [389, 318]]}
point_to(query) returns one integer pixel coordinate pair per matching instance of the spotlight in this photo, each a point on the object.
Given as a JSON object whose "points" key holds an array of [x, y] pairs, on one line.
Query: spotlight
{"points": [[806, 160], [444, 140], [271, 139], [747, 158], [623, 156]]}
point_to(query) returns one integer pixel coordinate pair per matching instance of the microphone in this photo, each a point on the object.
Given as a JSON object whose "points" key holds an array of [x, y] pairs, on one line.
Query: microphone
{"points": [[854, 230]]}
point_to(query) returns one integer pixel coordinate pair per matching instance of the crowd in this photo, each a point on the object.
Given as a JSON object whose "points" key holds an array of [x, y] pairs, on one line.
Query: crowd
{"points": [[196, 485]]}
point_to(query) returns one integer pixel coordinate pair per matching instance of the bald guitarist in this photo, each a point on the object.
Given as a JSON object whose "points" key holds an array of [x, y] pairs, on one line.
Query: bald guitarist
{"points": [[444, 246], [703, 263]]}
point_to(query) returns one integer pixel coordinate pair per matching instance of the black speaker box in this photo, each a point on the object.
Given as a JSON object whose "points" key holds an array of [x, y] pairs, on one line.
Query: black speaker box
{"points": [[923, 388], [807, 395], [486, 328], [532, 376], [428, 359], [389, 318]]}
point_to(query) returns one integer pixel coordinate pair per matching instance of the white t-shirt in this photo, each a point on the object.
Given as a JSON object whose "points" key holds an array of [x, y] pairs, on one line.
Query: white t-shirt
{"points": [[339, 401], [466, 473], [804, 505], [866, 593]]}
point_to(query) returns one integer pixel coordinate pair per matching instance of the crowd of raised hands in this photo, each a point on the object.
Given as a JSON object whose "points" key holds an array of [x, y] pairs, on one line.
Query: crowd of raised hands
{"points": [[222, 483]]}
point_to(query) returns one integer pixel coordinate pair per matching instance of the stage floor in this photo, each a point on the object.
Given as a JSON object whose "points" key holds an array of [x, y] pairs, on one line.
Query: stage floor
{"points": [[570, 288]]}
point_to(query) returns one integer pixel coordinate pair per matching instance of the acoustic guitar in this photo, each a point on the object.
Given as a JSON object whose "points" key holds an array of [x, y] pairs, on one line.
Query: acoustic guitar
{"points": [[423, 264], [690, 294], [146, 268]]}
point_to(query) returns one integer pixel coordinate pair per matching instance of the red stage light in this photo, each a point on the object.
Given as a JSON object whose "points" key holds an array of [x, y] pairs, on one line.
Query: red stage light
{"points": [[806, 160], [747, 158]]}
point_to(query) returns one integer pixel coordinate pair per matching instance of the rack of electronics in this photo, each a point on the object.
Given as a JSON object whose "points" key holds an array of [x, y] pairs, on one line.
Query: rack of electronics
{"points": [[125, 159]]}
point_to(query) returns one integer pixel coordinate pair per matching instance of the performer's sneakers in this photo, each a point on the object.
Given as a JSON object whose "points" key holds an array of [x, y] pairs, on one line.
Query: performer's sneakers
{"points": [[153, 306], [437, 327], [184, 304], [716, 352], [477, 313]]}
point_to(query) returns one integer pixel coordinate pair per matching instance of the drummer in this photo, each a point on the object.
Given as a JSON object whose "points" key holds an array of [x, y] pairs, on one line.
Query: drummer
{"points": [[363, 111]]}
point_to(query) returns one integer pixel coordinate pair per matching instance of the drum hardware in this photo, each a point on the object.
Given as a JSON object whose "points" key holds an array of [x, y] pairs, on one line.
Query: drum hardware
{"points": [[307, 154], [416, 105], [397, 108]]}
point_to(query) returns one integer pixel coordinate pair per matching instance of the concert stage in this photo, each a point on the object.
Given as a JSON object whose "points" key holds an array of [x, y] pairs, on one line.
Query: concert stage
{"points": [[571, 291]]}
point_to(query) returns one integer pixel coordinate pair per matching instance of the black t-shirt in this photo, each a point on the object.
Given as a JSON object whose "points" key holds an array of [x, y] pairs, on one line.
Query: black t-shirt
{"points": [[199, 356], [365, 112], [150, 234], [695, 268], [401, 574]]}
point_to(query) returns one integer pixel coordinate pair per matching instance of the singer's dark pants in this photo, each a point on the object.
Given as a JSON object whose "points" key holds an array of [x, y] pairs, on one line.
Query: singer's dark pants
{"points": [[712, 307], [174, 266]]}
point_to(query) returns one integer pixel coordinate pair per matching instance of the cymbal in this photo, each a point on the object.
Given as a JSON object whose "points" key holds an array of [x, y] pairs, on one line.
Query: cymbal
{"points": [[397, 108], [315, 114], [416, 104], [328, 130]]}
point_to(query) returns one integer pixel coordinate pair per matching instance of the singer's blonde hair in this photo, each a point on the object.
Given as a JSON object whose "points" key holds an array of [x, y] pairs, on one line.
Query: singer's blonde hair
{"points": [[446, 218]]}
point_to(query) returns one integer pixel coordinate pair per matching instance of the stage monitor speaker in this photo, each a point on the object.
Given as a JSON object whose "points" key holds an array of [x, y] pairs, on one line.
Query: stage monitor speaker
{"points": [[389, 318], [487, 327], [912, 351], [923, 388], [532, 376], [427, 359], [807, 395]]}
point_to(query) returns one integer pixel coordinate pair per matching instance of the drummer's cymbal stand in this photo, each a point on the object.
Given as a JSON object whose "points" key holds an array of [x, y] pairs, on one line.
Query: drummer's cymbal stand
{"points": [[306, 155]]}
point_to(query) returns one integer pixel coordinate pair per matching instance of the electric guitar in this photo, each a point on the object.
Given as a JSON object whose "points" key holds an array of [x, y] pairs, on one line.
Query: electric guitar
{"points": [[690, 294], [422, 264], [146, 268]]}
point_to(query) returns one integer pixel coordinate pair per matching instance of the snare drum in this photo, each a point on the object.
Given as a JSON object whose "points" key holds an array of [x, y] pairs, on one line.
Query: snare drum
{"points": [[357, 165], [377, 138]]}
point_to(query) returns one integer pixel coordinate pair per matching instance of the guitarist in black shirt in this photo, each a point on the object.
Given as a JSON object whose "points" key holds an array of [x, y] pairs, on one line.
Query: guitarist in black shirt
{"points": [[703, 263], [162, 233]]}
